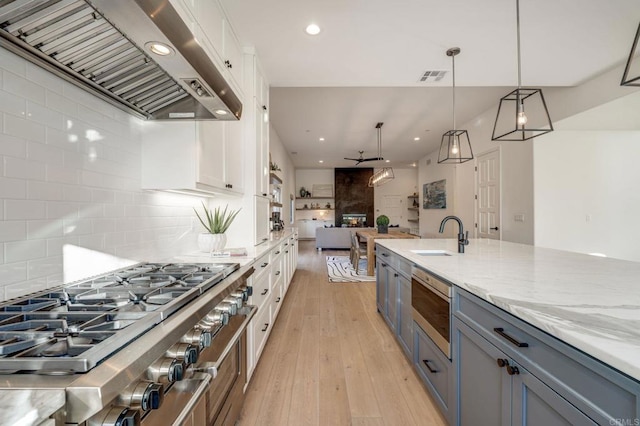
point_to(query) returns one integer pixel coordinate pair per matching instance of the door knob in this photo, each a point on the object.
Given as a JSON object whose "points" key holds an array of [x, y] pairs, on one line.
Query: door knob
{"points": [[495, 229]]}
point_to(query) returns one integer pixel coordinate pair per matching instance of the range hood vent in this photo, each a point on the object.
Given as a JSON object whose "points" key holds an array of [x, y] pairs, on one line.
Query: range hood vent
{"points": [[99, 45]]}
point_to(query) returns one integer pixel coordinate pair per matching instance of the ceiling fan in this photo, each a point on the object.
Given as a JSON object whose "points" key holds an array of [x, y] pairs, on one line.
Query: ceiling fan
{"points": [[361, 159]]}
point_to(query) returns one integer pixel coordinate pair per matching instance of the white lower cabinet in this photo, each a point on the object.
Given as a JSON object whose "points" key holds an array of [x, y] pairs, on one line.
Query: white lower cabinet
{"points": [[270, 282]]}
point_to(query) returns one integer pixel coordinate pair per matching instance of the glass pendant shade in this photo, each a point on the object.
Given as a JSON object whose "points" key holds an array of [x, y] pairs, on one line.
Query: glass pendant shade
{"points": [[381, 177], [631, 76], [455, 147], [522, 115]]}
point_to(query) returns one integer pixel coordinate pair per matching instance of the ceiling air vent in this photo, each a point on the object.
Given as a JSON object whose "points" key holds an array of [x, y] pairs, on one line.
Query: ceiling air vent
{"points": [[432, 76]]}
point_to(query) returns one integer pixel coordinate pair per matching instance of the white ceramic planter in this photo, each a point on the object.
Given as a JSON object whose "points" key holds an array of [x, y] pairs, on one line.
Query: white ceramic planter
{"points": [[211, 243]]}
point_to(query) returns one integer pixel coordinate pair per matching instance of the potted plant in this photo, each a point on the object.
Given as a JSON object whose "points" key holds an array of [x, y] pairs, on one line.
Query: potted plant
{"points": [[383, 224], [216, 223]]}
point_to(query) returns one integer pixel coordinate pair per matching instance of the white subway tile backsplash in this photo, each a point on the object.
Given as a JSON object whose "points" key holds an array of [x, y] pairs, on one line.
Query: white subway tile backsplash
{"points": [[102, 196], [37, 190], [44, 153], [90, 211], [65, 139], [44, 267], [13, 104], [23, 169], [44, 78], [76, 227], [13, 272], [59, 103], [62, 175], [44, 115], [12, 63], [37, 229], [22, 128], [101, 226], [124, 197], [17, 251], [76, 193], [13, 230], [20, 289], [114, 240], [12, 146], [25, 209], [62, 210], [55, 246], [22, 87], [13, 188], [114, 210], [92, 242]]}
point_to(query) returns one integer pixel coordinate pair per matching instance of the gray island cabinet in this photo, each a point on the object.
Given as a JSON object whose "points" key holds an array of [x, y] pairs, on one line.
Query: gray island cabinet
{"points": [[503, 370]]}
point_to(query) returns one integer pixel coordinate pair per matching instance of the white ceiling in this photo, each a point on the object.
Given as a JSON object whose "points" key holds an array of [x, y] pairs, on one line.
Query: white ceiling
{"points": [[365, 65]]}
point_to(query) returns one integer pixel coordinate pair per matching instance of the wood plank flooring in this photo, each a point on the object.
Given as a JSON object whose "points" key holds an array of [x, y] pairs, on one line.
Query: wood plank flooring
{"points": [[332, 360]]}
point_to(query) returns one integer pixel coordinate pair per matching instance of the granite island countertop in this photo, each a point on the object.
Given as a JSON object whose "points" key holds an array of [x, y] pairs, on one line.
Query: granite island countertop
{"points": [[589, 302]]}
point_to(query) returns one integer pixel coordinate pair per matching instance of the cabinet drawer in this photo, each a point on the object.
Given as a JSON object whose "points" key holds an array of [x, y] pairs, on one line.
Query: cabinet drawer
{"points": [[596, 389], [262, 265], [276, 270], [276, 299], [433, 366], [261, 283], [385, 255]]}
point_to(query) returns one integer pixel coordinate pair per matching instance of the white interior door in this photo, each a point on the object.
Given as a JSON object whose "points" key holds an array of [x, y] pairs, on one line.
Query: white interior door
{"points": [[488, 195]]}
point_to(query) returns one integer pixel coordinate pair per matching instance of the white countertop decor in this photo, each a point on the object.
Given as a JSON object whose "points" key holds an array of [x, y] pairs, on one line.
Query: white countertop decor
{"points": [[589, 302]]}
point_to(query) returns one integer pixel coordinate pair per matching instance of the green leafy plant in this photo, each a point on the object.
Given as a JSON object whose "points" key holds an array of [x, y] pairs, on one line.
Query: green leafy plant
{"points": [[382, 220], [218, 221]]}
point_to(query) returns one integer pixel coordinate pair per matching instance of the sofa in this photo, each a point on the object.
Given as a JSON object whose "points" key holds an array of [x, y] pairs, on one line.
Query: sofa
{"points": [[339, 238]]}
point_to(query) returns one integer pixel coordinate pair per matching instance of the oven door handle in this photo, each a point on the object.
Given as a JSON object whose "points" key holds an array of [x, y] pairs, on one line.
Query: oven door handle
{"points": [[212, 367], [205, 381]]}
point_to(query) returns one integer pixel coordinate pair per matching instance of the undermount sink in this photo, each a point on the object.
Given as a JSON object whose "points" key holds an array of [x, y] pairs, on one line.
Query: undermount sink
{"points": [[431, 252]]}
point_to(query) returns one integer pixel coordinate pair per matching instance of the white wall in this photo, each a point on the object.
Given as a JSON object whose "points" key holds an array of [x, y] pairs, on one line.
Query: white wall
{"points": [[586, 182], [430, 171], [404, 183], [307, 178], [281, 157], [71, 202]]}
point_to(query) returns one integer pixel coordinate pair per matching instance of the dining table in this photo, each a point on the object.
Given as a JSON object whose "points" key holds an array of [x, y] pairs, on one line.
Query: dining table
{"points": [[370, 235]]}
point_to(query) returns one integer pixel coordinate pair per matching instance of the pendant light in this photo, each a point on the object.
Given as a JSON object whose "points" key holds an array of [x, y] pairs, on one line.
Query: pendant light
{"points": [[522, 114], [455, 146], [385, 174], [631, 76]]}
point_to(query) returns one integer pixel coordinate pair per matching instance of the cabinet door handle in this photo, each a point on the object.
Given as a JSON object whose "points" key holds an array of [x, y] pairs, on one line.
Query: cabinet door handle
{"points": [[385, 254], [495, 229], [395, 275], [266, 290], [431, 369], [512, 370], [502, 362], [264, 239], [501, 332], [264, 264], [278, 300], [278, 252], [266, 325], [228, 64], [277, 272]]}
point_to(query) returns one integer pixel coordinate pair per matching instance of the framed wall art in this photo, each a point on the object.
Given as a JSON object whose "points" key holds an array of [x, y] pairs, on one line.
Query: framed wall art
{"points": [[435, 195]]}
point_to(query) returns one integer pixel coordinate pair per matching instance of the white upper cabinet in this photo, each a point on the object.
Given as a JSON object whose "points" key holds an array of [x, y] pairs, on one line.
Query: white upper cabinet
{"points": [[203, 157], [212, 29]]}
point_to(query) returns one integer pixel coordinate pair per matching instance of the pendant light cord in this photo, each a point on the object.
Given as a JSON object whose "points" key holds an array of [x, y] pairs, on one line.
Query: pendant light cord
{"points": [[518, 40], [453, 69]]}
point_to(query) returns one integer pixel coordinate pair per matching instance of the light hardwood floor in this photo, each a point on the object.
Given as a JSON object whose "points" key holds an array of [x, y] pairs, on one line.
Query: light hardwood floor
{"points": [[332, 360]]}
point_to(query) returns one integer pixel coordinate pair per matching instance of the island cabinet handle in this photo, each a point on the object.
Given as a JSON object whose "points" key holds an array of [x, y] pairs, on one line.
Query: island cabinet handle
{"points": [[264, 264], [431, 369], [385, 254], [266, 325], [266, 290], [516, 343]]}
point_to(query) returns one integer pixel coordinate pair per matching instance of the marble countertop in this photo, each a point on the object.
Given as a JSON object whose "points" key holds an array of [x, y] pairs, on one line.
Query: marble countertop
{"points": [[591, 303], [30, 406]]}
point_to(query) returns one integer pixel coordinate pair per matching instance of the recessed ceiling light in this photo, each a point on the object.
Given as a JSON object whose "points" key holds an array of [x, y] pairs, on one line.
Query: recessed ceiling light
{"points": [[312, 29], [321, 139], [221, 112], [160, 49], [387, 161], [320, 161], [417, 138]]}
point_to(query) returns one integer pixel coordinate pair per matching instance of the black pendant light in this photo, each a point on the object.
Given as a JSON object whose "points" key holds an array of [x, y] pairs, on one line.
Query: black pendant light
{"points": [[522, 114], [455, 146], [385, 174], [631, 76]]}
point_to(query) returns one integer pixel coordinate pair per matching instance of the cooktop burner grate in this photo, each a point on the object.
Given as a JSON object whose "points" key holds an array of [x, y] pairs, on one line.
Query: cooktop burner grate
{"points": [[73, 328]]}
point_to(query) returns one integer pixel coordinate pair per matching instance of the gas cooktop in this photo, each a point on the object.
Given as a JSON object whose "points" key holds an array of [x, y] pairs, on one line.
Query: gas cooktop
{"points": [[73, 328]]}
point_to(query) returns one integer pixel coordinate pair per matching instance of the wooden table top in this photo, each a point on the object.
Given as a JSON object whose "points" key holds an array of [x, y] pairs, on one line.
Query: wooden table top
{"points": [[373, 233]]}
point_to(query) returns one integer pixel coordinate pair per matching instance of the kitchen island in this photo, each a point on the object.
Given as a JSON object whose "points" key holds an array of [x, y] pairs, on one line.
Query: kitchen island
{"points": [[581, 307]]}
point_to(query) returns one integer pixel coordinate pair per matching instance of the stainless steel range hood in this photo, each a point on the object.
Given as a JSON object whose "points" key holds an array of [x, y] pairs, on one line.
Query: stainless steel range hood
{"points": [[101, 46]]}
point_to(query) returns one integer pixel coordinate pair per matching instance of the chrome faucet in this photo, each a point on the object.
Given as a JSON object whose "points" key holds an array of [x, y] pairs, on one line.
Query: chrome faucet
{"points": [[463, 239]]}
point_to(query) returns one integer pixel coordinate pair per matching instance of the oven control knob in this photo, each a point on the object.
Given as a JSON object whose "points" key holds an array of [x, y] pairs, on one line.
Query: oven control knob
{"points": [[166, 370], [235, 299], [242, 292], [184, 352], [199, 337], [229, 308], [216, 317], [147, 395], [116, 416]]}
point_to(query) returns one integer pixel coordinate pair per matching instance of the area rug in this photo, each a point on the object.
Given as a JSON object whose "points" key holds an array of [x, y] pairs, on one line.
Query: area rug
{"points": [[340, 270]]}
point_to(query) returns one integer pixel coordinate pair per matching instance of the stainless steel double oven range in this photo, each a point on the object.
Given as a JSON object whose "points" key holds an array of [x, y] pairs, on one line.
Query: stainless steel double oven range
{"points": [[151, 344], [431, 306]]}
